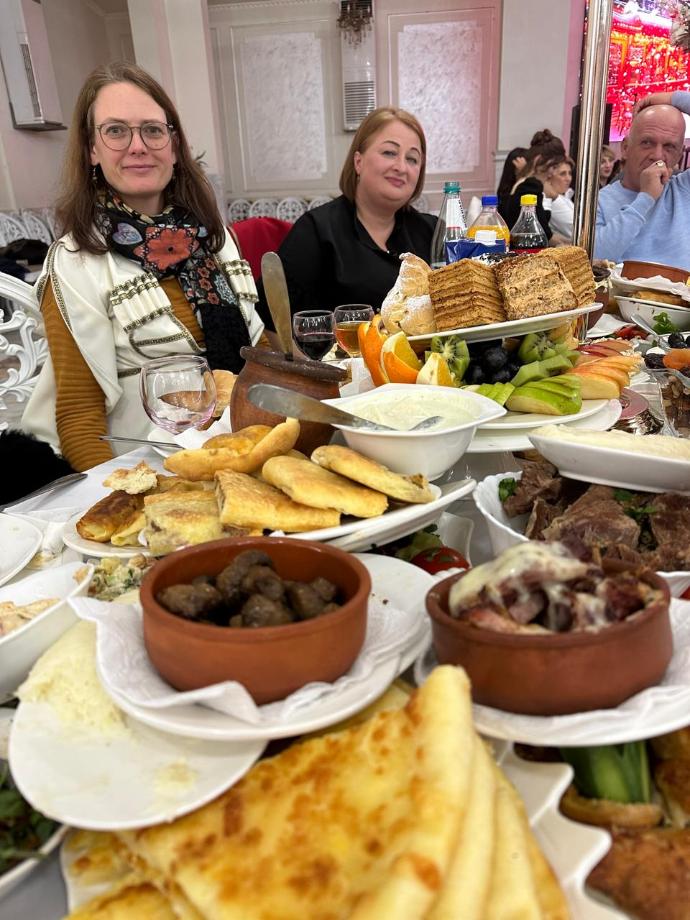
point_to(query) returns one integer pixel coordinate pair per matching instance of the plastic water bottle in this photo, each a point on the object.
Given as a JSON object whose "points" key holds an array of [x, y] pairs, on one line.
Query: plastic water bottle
{"points": [[450, 226], [489, 219], [527, 234]]}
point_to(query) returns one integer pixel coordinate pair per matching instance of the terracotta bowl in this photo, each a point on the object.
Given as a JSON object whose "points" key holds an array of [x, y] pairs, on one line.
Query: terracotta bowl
{"points": [[634, 270], [547, 675], [270, 661]]}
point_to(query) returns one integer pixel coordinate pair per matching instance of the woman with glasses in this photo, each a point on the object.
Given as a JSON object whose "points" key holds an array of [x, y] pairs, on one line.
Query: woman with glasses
{"points": [[145, 268]]}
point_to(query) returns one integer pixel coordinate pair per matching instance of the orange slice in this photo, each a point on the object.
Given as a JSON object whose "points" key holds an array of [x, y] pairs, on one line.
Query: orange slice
{"points": [[371, 337], [398, 360], [436, 372]]}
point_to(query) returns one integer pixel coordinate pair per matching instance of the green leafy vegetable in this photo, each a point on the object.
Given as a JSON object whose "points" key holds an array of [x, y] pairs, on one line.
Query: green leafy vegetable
{"points": [[629, 501], [506, 488], [22, 829], [617, 772], [427, 538], [662, 323]]}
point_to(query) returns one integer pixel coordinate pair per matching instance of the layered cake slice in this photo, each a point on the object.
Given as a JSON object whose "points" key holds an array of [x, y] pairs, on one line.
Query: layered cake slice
{"points": [[534, 285], [465, 294], [577, 269]]}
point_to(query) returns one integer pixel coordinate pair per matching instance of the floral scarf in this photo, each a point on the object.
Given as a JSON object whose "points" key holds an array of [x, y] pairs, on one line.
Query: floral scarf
{"points": [[175, 243]]}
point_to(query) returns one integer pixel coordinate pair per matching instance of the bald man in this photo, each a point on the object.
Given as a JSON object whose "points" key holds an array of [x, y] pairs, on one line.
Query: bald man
{"points": [[646, 215]]}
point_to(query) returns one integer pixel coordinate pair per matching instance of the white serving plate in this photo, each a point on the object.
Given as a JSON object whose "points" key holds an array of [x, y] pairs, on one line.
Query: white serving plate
{"points": [[614, 467], [511, 327], [505, 531], [518, 420], [654, 711], [648, 310], [20, 648], [489, 442], [19, 541], [404, 585], [656, 283], [112, 783], [71, 538]]}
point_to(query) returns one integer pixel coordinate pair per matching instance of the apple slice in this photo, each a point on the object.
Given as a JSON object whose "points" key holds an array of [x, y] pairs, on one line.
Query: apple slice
{"points": [[594, 386], [613, 373], [532, 398], [586, 358]]}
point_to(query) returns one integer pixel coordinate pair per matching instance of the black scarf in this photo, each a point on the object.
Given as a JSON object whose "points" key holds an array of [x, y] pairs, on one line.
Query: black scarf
{"points": [[175, 243]]}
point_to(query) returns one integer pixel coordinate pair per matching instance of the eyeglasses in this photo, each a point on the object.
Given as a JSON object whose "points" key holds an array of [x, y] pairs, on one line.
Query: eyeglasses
{"points": [[116, 135]]}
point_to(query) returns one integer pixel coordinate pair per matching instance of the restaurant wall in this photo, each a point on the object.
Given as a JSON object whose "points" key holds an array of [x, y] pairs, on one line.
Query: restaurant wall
{"points": [[80, 38]]}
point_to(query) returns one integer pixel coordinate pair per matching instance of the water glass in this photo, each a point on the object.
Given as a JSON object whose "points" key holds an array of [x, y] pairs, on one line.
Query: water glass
{"points": [[347, 319], [313, 332], [178, 392]]}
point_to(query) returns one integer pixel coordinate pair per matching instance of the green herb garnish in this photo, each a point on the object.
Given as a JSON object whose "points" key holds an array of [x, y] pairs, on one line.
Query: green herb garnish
{"points": [[662, 323], [617, 772], [22, 829], [506, 488]]}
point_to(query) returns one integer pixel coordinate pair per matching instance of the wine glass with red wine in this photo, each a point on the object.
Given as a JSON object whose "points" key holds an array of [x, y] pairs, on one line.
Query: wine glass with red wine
{"points": [[313, 332]]}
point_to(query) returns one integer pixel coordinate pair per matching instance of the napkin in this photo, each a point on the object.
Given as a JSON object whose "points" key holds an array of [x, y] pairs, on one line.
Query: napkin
{"points": [[361, 381], [51, 523], [193, 438], [125, 668]]}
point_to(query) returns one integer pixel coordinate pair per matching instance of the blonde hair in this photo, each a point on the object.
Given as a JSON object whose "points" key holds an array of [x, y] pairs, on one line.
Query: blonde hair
{"points": [[370, 125]]}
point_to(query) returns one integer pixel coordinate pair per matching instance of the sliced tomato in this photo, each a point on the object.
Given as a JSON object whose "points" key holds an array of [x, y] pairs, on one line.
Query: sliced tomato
{"points": [[439, 558], [686, 595]]}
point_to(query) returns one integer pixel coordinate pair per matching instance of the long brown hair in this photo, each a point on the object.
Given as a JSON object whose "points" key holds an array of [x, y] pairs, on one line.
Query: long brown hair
{"points": [[76, 206], [370, 125]]}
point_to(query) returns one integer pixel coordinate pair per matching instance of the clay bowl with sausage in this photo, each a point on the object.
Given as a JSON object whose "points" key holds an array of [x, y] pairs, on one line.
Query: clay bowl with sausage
{"points": [[557, 673], [271, 639]]}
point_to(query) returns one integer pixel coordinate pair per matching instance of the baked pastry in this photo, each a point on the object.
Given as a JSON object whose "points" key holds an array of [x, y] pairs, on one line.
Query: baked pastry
{"points": [[576, 267], [673, 300], [347, 462], [243, 454], [465, 294], [246, 501], [175, 519], [309, 484], [225, 381], [109, 515], [534, 285], [407, 306], [140, 478], [129, 534]]}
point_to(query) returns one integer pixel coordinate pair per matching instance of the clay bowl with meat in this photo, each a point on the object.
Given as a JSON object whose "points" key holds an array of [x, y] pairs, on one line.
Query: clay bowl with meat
{"points": [[547, 674], [505, 531], [634, 269], [270, 661]]}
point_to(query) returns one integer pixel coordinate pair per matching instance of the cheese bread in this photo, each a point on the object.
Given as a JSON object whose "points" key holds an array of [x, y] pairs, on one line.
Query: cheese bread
{"points": [[112, 513], [248, 454], [240, 441], [129, 534], [310, 484], [361, 824], [140, 478], [246, 501], [348, 463], [175, 519], [137, 899]]}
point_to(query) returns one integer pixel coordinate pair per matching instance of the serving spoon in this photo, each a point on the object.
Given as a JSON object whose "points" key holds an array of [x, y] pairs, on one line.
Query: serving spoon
{"points": [[296, 405], [643, 324]]}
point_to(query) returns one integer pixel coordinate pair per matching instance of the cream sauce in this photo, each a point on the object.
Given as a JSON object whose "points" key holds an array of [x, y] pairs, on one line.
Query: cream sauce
{"points": [[406, 411], [653, 445]]}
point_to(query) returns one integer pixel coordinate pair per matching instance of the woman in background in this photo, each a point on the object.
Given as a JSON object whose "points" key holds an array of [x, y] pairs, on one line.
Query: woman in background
{"points": [[145, 268], [514, 164], [348, 251], [607, 166], [556, 178]]}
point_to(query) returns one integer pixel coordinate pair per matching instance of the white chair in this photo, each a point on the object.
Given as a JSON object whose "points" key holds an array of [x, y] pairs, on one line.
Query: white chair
{"points": [[23, 349], [48, 216], [317, 202], [36, 229], [238, 210], [11, 229], [290, 209], [263, 207]]}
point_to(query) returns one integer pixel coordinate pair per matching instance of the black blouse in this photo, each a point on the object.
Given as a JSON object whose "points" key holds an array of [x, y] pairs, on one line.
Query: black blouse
{"points": [[509, 207], [330, 259]]}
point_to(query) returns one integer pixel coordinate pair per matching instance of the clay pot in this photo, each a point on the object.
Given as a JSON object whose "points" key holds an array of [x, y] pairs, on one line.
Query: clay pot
{"points": [[559, 673], [632, 270], [270, 661], [312, 378]]}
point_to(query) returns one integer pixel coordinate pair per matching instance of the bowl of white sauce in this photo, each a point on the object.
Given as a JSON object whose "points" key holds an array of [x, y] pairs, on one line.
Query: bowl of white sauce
{"points": [[431, 451]]}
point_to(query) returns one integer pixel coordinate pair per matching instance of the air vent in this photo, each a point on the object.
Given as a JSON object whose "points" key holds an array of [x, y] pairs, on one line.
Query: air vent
{"points": [[359, 99]]}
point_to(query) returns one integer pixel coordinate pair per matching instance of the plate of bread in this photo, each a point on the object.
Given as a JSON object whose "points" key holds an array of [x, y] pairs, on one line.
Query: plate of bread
{"points": [[253, 482], [480, 300]]}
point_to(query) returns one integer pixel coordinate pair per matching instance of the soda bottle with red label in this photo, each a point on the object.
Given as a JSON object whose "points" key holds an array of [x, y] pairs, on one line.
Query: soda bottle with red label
{"points": [[527, 234]]}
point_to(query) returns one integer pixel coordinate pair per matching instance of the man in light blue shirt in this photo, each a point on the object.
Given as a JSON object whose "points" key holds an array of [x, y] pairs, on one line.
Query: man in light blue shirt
{"points": [[646, 216]]}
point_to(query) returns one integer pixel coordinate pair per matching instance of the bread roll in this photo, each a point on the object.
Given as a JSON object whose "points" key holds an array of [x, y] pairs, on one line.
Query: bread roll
{"points": [[407, 306]]}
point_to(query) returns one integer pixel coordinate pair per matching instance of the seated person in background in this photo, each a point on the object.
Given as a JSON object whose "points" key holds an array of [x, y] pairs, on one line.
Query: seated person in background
{"points": [[646, 215], [556, 180], [606, 166], [514, 163], [540, 162], [347, 251], [145, 269]]}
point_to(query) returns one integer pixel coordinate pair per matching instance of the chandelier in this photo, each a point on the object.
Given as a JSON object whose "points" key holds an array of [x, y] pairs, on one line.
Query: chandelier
{"points": [[355, 19]]}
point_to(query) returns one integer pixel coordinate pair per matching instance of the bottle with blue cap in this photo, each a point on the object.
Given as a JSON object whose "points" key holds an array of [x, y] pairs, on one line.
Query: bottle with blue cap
{"points": [[450, 226], [489, 219]]}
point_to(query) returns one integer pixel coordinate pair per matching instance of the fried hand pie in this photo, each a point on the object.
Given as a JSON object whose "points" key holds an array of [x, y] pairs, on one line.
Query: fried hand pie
{"points": [[109, 515], [309, 484], [246, 501], [348, 463]]}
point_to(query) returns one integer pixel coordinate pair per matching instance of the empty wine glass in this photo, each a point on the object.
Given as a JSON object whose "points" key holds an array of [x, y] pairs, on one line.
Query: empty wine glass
{"points": [[347, 319], [313, 332], [178, 392]]}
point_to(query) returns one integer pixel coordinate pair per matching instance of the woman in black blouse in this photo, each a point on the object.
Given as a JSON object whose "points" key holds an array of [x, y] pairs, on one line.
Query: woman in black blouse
{"points": [[347, 251]]}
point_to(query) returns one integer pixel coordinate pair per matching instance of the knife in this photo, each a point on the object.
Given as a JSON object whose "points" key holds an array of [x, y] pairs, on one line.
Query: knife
{"points": [[275, 288], [48, 487], [292, 404]]}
